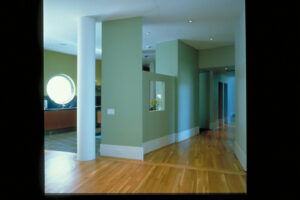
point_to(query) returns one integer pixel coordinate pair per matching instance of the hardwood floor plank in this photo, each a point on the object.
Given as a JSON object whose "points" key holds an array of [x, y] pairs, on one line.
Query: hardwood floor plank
{"points": [[143, 180], [217, 183], [204, 163], [235, 183], [202, 182]]}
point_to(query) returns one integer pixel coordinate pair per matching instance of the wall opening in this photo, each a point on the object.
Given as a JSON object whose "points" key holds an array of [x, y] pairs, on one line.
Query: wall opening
{"points": [[220, 100], [225, 103]]}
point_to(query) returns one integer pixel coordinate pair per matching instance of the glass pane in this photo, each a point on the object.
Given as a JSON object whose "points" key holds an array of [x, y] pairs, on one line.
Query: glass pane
{"points": [[61, 89], [157, 96]]}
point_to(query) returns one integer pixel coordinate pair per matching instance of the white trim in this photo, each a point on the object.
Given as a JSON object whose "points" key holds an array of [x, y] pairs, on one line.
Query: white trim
{"points": [[241, 155], [119, 151], [157, 143], [183, 135]]}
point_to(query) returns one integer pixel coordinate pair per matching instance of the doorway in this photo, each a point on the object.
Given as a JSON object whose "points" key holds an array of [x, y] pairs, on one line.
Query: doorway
{"points": [[225, 105], [220, 115]]}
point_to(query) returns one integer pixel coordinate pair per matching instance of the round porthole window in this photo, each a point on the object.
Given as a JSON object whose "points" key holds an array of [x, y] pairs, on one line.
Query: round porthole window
{"points": [[61, 89]]}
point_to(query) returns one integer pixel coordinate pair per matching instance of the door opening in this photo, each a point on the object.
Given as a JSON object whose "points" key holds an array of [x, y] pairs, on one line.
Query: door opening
{"points": [[220, 104], [225, 103]]}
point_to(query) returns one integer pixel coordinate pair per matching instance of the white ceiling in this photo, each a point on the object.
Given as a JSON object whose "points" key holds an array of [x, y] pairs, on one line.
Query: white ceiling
{"points": [[164, 19]]}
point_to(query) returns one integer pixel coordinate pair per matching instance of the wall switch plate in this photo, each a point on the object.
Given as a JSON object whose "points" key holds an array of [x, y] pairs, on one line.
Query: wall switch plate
{"points": [[110, 111]]}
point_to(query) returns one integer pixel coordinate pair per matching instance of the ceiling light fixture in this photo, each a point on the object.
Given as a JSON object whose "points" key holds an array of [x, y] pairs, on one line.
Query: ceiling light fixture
{"points": [[147, 33], [211, 38], [190, 21]]}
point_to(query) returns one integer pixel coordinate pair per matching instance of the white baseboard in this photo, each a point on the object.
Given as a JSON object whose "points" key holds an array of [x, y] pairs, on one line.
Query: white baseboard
{"points": [[183, 135], [158, 143], [169, 139], [137, 153], [119, 151], [241, 155]]}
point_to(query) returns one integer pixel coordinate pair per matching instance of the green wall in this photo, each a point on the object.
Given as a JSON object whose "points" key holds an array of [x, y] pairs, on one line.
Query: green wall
{"points": [[175, 58], [240, 143], [122, 82], [60, 63], [187, 88], [204, 100], [166, 60], [157, 124], [217, 57]]}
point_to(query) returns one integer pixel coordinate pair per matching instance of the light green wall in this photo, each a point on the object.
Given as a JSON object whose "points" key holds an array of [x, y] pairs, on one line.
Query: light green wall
{"points": [[157, 124], [240, 145], [60, 63], [175, 58], [204, 100], [187, 88], [122, 82], [217, 57], [166, 61]]}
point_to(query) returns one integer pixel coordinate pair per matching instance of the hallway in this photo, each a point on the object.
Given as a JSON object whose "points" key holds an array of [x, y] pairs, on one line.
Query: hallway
{"points": [[211, 150], [204, 163]]}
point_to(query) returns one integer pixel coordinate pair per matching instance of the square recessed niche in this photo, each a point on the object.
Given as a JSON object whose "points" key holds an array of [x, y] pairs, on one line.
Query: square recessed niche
{"points": [[157, 96]]}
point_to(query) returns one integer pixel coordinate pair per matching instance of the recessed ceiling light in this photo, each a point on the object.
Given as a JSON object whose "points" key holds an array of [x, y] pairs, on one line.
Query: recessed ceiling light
{"points": [[147, 33], [190, 21], [211, 38]]}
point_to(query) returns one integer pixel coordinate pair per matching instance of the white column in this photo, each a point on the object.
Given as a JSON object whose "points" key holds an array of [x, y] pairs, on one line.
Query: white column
{"points": [[86, 121]]}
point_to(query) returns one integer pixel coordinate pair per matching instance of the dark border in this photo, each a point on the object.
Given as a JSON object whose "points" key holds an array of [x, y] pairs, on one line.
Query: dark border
{"points": [[271, 164]]}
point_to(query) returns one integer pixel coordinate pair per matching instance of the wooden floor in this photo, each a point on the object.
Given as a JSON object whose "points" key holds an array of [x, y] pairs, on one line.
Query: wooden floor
{"points": [[204, 163], [66, 141]]}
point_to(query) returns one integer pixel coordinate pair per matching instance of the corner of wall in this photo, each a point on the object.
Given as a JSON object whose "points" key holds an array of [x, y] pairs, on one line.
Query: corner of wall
{"points": [[186, 134]]}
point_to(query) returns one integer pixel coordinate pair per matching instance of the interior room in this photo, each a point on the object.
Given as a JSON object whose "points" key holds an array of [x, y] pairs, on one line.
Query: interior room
{"points": [[145, 96], [59, 108]]}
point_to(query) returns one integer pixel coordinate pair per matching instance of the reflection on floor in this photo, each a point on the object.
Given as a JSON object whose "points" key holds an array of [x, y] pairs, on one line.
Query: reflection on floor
{"points": [[66, 142], [212, 149], [204, 163]]}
